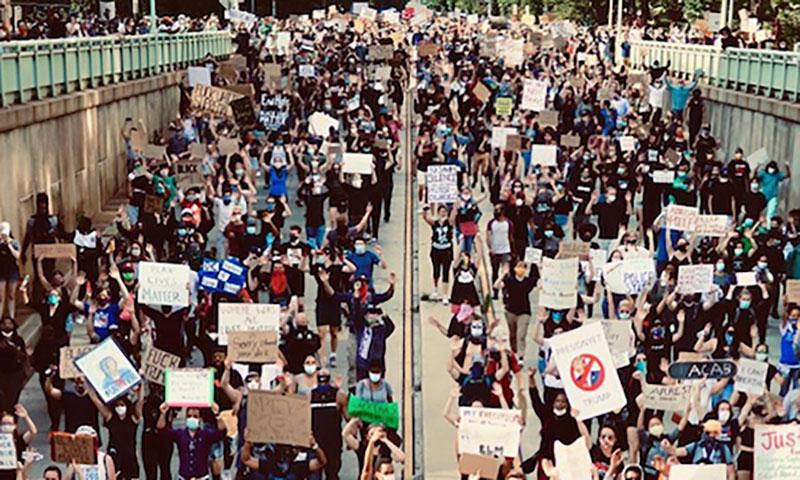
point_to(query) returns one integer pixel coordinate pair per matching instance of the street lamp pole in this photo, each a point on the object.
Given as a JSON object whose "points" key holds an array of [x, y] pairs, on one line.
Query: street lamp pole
{"points": [[153, 25]]}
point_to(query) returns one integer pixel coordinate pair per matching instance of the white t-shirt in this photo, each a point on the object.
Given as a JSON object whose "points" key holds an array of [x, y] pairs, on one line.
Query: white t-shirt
{"points": [[656, 99]]}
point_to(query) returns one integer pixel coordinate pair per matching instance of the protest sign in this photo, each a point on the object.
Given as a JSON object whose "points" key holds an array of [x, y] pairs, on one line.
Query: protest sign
{"points": [[711, 225], [138, 140], [253, 346], [213, 100], [534, 95], [320, 124], [629, 277], [357, 163], [484, 466], [274, 111], [386, 414], [368, 13], [227, 276], [283, 42], [776, 455], [499, 134], [228, 146], [627, 143], [751, 376], [573, 141], [189, 387], [156, 362], [487, 46], [381, 53], [695, 278], [481, 92], [153, 204], [243, 113], [109, 370], [759, 157], [793, 291], [199, 76], [746, 279], [154, 151], [544, 155], [663, 176], [699, 472], [681, 218], [573, 461], [66, 360], [306, 71], [55, 250], [8, 452], [620, 339], [276, 418], [390, 16], [503, 106], [574, 248], [164, 284], [514, 143], [533, 256], [587, 370], [427, 49], [512, 51], [246, 317], [489, 431], [68, 447], [272, 72], [561, 288], [695, 370], [547, 118], [442, 183], [672, 398]]}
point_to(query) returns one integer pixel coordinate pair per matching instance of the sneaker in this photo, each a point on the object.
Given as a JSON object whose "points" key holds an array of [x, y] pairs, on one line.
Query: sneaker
{"points": [[445, 301], [332, 360]]}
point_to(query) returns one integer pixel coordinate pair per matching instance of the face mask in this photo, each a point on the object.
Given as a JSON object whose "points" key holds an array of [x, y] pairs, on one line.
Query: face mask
{"points": [[624, 315], [226, 199], [476, 331], [251, 230], [128, 277], [724, 416], [385, 476], [191, 197], [135, 252], [754, 187], [239, 172], [559, 412], [738, 251], [720, 267], [310, 369], [361, 249], [192, 423], [52, 299], [611, 198], [556, 316], [7, 428], [762, 265], [656, 430], [374, 377], [728, 338], [518, 202], [254, 385], [744, 304], [761, 356], [121, 410], [181, 232]]}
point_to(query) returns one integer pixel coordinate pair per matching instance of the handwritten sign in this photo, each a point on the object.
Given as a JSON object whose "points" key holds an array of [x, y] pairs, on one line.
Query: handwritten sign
{"points": [[671, 398], [243, 113], [8, 452], [681, 218], [481, 92], [503, 106], [534, 95], [776, 457], [213, 100], [253, 347], [631, 276], [109, 370], [153, 204], [55, 250], [189, 387], [357, 163], [574, 248], [276, 418], [560, 289], [156, 362], [499, 134], [662, 176], [746, 279], [712, 225], [484, 466], [751, 376], [699, 472], [489, 431], [695, 279], [620, 339], [66, 360], [547, 118], [246, 317], [572, 141], [627, 143], [793, 291], [533, 256], [164, 284], [66, 447], [442, 183], [199, 76]]}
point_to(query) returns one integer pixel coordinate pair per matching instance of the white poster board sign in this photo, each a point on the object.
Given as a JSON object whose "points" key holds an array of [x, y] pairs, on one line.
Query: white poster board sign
{"points": [[695, 278], [534, 95], [587, 370], [8, 452], [109, 370], [442, 183], [164, 284], [698, 472], [489, 431], [671, 398], [776, 457], [189, 387], [560, 289], [544, 155], [320, 124], [533, 256], [199, 76], [499, 135], [573, 461], [357, 163], [246, 317], [751, 376]]}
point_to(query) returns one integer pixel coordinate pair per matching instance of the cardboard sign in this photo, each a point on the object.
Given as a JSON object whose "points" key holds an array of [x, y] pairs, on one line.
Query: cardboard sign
{"points": [[620, 339], [442, 183], [243, 113], [156, 362], [380, 53], [66, 447], [681, 218], [154, 151], [55, 250], [573, 461], [534, 95], [712, 225], [244, 89], [489, 431], [199, 76], [548, 118], [695, 279], [663, 176], [213, 100], [572, 141], [587, 370], [66, 360], [746, 279], [699, 472], [751, 376], [793, 291], [108, 370], [514, 143], [714, 369], [484, 466], [8, 452], [253, 346], [561, 288], [189, 387], [153, 204], [672, 398], [427, 49], [386, 414], [574, 248], [357, 163], [627, 143], [246, 317], [533, 256], [164, 284], [276, 418], [544, 155], [138, 140], [319, 124], [481, 92], [272, 72], [776, 455], [198, 150], [503, 106], [499, 135], [228, 146]]}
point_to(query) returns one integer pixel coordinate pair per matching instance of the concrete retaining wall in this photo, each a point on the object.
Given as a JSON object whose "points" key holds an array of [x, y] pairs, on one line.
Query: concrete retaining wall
{"points": [[71, 146]]}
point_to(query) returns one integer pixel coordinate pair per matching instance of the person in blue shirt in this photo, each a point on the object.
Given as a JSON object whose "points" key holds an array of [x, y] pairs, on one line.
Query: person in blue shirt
{"points": [[680, 94], [365, 260], [771, 179], [103, 312], [709, 449], [194, 441]]}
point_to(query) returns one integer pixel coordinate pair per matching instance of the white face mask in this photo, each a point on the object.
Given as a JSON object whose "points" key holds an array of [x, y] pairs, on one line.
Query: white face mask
{"points": [[724, 415], [121, 410], [254, 385], [7, 428], [384, 476], [374, 377], [560, 411], [8, 334], [310, 369]]}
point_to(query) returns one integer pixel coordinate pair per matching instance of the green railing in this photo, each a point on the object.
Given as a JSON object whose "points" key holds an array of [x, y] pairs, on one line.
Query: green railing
{"points": [[39, 69], [769, 73]]}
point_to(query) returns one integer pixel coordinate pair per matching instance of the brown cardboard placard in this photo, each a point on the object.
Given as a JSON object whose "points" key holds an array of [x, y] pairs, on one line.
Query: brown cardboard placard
{"points": [[213, 100], [245, 89], [154, 151], [55, 250], [577, 82], [574, 248], [228, 146], [198, 150], [481, 92], [486, 467], [153, 204], [156, 362], [548, 118], [66, 447], [793, 291], [276, 418], [66, 360], [138, 140], [604, 94], [253, 347], [514, 143], [571, 141], [427, 49]]}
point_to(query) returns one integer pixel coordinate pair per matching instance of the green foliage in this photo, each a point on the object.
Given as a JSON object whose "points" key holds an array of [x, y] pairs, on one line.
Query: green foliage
{"points": [[694, 9], [789, 20]]}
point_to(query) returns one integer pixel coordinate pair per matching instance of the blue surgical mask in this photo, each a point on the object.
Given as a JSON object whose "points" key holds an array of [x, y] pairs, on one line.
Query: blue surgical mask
{"points": [[744, 304], [361, 249], [251, 230], [52, 299], [556, 316], [624, 315], [226, 199], [192, 423], [738, 251], [270, 207], [728, 338], [549, 233], [181, 232]]}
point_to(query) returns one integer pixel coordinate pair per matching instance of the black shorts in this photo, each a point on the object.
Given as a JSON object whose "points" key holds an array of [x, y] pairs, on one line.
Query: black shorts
{"points": [[441, 260], [328, 315]]}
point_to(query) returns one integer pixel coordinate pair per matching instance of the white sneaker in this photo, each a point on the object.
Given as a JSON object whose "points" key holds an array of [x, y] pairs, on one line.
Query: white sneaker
{"points": [[445, 301], [332, 360]]}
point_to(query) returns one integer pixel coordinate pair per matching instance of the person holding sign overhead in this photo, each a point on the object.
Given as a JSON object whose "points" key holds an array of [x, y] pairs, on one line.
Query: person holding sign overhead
{"points": [[194, 441]]}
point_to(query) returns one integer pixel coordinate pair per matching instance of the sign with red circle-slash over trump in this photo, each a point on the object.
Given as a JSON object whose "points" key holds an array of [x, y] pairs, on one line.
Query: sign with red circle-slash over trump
{"points": [[587, 369]]}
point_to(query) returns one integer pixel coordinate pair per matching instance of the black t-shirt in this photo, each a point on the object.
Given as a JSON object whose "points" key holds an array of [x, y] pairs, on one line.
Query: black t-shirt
{"points": [[516, 292], [754, 204], [609, 217], [722, 193]]}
